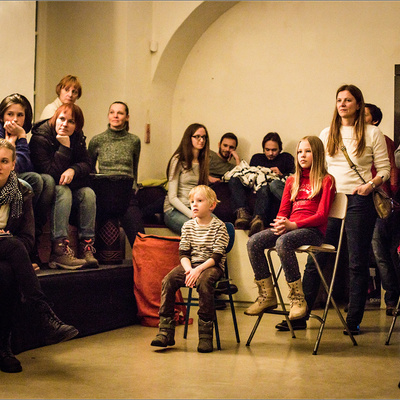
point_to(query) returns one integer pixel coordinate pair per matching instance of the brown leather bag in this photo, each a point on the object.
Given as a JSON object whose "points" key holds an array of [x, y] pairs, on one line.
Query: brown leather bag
{"points": [[384, 204]]}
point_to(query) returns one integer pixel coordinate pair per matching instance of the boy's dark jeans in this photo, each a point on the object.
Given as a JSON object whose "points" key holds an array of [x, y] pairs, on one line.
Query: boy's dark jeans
{"points": [[205, 287]]}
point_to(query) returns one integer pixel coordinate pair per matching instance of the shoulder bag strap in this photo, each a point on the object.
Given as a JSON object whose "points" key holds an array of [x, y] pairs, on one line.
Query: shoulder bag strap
{"points": [[352, 165]]}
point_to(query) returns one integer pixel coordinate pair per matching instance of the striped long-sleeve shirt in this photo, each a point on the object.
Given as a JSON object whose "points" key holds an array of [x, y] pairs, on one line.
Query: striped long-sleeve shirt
{"points": [[199, 243]]}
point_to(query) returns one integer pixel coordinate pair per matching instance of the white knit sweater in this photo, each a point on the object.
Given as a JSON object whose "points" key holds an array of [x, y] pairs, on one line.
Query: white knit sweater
{"points": [[375, 152]]}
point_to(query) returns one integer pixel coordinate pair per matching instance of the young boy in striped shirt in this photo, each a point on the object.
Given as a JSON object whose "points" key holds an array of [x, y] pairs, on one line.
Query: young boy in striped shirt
{"points": [[202, 252]]}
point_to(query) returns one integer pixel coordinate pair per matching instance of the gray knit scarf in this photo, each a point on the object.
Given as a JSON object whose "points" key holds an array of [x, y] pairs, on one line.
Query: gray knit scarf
{"points": [[10, 194]]}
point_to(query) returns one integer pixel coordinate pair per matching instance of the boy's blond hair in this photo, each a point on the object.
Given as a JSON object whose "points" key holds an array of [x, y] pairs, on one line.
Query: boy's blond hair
{"points": [[208, 193]]}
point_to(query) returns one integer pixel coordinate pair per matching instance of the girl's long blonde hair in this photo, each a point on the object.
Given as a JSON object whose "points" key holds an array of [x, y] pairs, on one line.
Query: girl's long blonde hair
{"points": [[334, 137], [318, 168]]}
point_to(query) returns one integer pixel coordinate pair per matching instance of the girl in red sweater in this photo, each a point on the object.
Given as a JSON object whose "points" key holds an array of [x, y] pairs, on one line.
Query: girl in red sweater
{"points": [[302, 219]]}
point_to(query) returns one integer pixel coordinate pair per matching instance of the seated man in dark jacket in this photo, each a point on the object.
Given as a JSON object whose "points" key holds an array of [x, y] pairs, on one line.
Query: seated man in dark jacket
{"points": [[282, 165]]}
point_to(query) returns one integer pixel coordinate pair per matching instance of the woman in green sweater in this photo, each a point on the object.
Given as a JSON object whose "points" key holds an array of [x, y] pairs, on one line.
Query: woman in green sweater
{"points": [[116, 152]]}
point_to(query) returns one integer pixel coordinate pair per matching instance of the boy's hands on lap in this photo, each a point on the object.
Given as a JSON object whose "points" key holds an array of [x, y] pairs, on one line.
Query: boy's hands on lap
{"points": [[191, 277]]}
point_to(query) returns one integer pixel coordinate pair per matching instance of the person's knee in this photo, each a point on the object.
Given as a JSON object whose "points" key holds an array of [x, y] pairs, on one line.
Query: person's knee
{"points": [[207, 279], [174, 220], [263, 192], [204, 286], [63, 197], [34, 180], [251, 243], [48, 183], [26, 184], [63, 191], [88, 195], [276, 187], [165, 281], [234, 183], [283, 243]]}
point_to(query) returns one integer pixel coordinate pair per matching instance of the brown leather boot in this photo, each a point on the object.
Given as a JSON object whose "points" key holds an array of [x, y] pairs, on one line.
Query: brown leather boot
{"points": [[86, 251], [243, 219], [62, 256], [256, 225]]}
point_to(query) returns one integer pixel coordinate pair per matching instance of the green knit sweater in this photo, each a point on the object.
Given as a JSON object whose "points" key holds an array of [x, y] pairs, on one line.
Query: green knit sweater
{"points": [[116, 153]]}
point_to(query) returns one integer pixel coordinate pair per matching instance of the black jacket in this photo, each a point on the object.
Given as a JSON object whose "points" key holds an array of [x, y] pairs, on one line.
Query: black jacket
{"points": [[49, 156]]}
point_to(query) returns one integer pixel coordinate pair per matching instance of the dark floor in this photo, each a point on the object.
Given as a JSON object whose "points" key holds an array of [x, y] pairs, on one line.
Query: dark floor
{"points": [[122, 364]]}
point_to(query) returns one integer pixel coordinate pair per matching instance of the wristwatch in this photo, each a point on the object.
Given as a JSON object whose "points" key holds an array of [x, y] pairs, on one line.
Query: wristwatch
{"points": [[372, 184]]}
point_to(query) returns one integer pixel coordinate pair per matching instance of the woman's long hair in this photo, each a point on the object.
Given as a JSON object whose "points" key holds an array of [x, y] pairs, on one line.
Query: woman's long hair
{"points": [[318, 169], [334, 137], [185, 153]]}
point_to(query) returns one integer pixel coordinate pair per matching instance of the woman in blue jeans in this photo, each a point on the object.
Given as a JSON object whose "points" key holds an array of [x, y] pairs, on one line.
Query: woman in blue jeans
{"points": [[58, 148], [365, 145], [187, 168], [15, 124]]}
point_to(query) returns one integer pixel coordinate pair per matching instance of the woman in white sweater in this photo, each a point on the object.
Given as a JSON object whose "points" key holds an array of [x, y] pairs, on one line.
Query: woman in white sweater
{"points": [[187, 168], [365, 145]]}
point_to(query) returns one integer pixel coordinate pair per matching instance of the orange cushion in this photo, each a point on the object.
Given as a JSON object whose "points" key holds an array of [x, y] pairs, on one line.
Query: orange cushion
{"points": [[153, 257]]}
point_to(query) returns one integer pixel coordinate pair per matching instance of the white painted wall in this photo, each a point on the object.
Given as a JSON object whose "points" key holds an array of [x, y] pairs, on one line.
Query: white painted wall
{"points": [[249, 67], [275, 66], [17, 32]]}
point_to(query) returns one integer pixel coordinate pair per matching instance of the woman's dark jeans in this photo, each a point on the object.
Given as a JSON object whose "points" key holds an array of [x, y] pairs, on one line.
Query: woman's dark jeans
{"points": [[359, 226]]}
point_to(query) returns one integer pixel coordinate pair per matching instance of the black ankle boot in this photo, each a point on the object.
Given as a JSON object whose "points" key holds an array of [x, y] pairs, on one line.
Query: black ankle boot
{"points": [[297, 324], [55, 331], [8, 362]]}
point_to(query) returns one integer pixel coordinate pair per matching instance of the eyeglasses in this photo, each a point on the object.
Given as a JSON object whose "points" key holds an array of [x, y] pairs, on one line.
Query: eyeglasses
{"points": [[199, 137]]}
